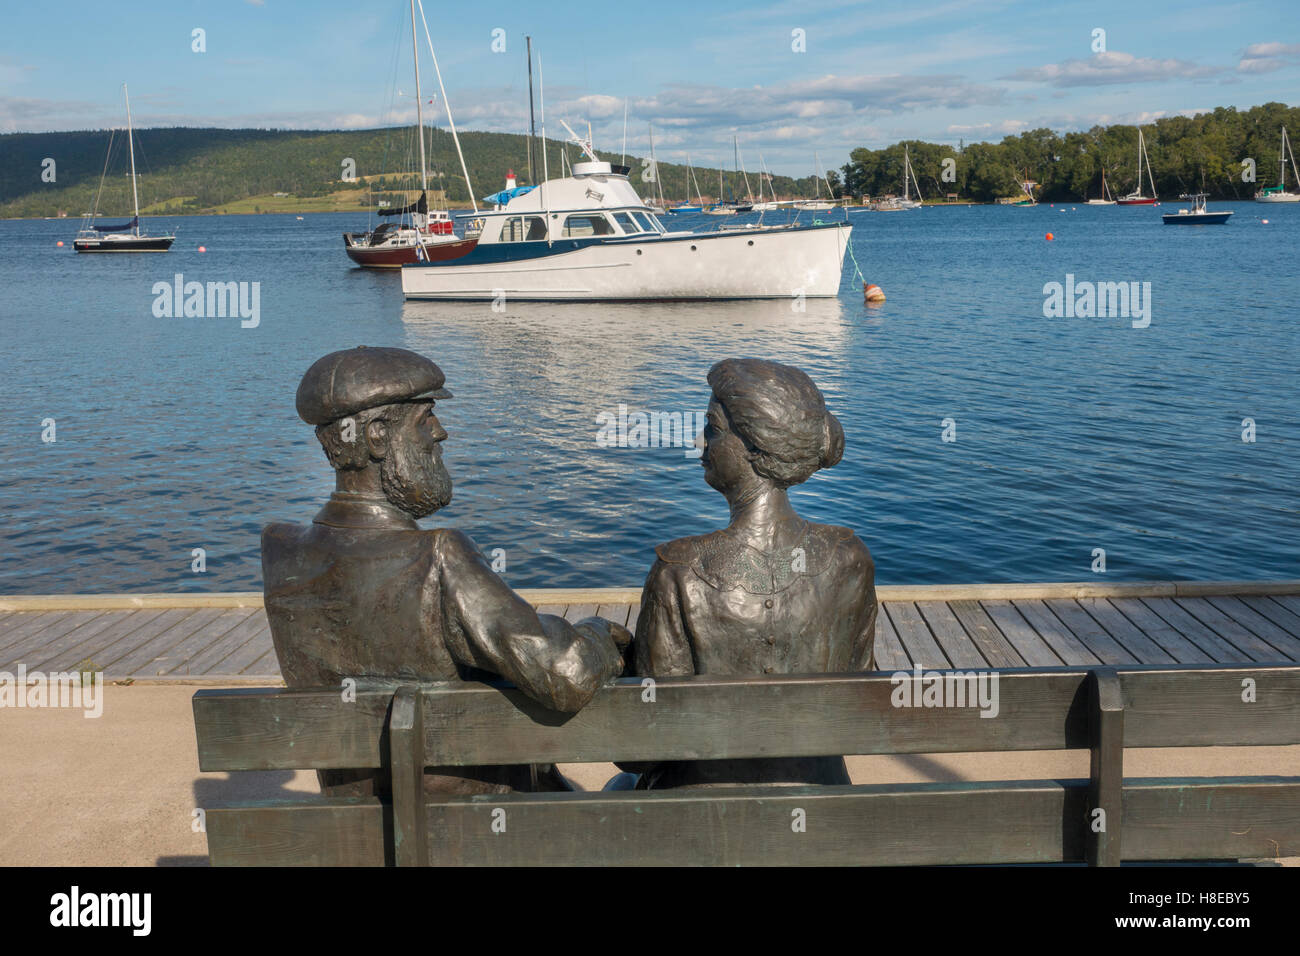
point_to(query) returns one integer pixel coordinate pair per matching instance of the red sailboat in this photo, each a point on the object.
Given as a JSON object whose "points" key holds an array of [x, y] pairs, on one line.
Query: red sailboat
{"points": [[1136, 198]]}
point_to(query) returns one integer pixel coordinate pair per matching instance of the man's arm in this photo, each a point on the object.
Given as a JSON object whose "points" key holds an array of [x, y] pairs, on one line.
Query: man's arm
{"points": [[490, 627]]}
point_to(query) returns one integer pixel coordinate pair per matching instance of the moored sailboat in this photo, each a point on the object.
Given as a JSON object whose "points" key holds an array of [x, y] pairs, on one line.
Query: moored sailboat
{"points": [[419, 233], [1279, 192], [1106, 199], [1136, 198], [127, 236]]}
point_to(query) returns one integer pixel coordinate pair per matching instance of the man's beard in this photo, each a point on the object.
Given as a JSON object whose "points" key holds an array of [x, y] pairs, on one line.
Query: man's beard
{"points": [[415, 480]]}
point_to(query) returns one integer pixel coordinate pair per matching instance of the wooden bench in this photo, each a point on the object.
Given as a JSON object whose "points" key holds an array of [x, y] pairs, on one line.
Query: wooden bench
{"points": [[1104, 710]]}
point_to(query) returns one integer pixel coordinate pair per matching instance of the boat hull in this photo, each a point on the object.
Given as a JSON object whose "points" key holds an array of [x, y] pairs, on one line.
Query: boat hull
{"points": [[125, 244], [1201, 219], [396, 256], [760, 264], [1135, 202], [1279, 197]]}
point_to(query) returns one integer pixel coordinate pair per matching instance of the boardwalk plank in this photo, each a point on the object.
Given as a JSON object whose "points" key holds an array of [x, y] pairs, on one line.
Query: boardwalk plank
{"points": [[1289, 621], [126, 624], [1237, 649], [1289, 601], [1128, 634], [249, 653], [1232, 629], [1087, 630], [997, 650], [1035, 651], [915, 635], [175, 660], [79, 644], [890, 655], [136, 660], [24, 623], [210, 660], [1057, 636], [1167, 623], [556, 609], [951, 636], [1279, 637], [33, 645]]}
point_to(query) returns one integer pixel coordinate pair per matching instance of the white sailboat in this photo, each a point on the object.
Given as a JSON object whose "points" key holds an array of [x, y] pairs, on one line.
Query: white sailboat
{"points": [[1106, 198], [124, 237], [818, 204], [1279, 192]]}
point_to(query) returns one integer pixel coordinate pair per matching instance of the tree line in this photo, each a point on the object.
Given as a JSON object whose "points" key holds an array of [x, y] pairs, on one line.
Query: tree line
{"points": [[1209, 152]]}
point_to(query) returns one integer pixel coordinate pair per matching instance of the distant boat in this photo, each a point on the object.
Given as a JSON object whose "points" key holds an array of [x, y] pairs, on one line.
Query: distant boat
{"points": [[124, 237], [1136, 198], [687, 206], [1197, 214], [419, 233], [1279, 192], [1106, 198]]}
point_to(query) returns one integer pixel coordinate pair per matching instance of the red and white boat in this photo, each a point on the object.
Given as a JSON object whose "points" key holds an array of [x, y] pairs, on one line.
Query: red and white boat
{"points": [[1136, 198], [419, 235], [428, 236]]}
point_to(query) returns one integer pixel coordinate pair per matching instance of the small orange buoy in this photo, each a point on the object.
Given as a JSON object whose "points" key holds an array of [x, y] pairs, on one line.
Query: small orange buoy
{"points": [[60, 242], [872, 292], [1265, 223], [203, 248], [1050, 237]]}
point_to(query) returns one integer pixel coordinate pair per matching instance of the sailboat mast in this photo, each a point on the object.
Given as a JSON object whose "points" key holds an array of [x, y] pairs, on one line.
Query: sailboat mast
{"points": [[419, 107], [447, 103], [532, 124], [130, 142], [907, 167], [1150, 175]]}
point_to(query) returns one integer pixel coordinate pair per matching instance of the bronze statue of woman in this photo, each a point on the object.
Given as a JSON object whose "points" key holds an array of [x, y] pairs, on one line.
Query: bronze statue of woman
{"points": [[771, 593]]}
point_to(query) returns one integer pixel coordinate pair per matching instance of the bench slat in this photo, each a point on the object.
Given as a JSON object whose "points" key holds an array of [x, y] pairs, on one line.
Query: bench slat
{"points": [[721, 718], [340, 831]]}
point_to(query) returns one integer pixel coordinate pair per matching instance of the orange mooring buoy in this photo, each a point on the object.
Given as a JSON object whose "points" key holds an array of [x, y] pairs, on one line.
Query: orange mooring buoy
{"points": [[1050, 237], [60, 242], [872, 292]]}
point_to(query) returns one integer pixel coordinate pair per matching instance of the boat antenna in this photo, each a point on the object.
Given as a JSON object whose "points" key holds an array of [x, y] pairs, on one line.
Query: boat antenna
{"points": [[130, 142], [447, 103], [623, 159], [583, 144], [532, 126]]}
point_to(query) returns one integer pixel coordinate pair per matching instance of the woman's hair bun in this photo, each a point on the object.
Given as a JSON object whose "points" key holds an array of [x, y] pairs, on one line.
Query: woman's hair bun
{"points": [[832, 441]]}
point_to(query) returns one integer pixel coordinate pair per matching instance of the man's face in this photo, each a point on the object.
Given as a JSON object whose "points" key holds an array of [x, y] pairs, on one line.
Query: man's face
{"points": [[412, 474]]}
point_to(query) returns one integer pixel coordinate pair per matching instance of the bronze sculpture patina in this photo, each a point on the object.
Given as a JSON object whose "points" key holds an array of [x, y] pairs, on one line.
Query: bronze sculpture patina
{"points": [[364, 593], [771, 593]]}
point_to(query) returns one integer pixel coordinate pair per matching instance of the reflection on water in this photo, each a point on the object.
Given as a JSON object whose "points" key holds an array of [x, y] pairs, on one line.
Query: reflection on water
{"points": [[175, 434]]}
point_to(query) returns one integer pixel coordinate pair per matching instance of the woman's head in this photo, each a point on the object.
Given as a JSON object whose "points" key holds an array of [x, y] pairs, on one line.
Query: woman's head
{"points": [[770, 417]]}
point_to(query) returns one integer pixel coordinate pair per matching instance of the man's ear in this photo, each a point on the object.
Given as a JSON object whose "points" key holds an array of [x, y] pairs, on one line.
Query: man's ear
{"points": [[377, 439]]}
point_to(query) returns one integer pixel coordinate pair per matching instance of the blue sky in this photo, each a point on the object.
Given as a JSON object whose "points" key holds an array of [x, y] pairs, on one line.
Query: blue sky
{"points": [[870, 73]]}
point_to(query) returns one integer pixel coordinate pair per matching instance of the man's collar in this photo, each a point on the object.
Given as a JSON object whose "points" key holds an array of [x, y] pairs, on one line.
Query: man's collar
{"points": [[374, 512]]}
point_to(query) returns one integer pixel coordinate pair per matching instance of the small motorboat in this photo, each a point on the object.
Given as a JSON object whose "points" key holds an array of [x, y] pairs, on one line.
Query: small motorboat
{"points": [[1197, 214]]}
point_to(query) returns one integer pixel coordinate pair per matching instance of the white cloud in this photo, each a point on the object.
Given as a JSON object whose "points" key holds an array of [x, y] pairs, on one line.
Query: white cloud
{"points": [[1267, 57], [1103, 69]]}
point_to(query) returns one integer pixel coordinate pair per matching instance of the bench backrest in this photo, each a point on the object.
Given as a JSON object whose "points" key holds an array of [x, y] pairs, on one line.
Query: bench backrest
{"points": [[405, 728]]}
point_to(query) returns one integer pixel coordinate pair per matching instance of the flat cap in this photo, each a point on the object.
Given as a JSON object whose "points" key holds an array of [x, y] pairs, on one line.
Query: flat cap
{"points": [[344, 383]]}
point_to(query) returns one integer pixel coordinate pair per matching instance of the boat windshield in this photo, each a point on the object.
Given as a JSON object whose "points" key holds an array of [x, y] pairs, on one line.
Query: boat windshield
{"points": [[524, 229], [644, 222], [626, 223], [588, 224]]}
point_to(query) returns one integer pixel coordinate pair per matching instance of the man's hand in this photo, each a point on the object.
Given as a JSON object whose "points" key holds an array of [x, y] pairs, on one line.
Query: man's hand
{"points": [[614, 636]]}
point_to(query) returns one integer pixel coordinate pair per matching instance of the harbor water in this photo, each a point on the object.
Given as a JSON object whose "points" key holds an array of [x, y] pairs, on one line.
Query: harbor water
{"points": [[988, 438]]}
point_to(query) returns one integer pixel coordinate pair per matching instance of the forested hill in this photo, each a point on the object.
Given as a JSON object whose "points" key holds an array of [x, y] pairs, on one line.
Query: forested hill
{"points": [[198, 170], [1186, 153]]}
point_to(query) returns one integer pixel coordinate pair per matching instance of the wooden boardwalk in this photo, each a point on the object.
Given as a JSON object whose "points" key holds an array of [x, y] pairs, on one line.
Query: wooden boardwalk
{"points": [[226, 637]]}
